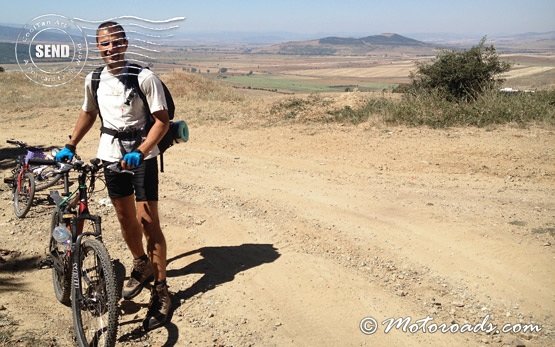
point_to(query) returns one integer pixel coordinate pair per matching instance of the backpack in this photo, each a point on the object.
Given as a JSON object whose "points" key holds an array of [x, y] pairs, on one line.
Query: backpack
{"points": [[132, 82]]}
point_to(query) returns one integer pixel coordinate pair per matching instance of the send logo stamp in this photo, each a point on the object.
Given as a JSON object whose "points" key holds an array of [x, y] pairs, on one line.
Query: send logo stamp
{"points": [[51, 50]]}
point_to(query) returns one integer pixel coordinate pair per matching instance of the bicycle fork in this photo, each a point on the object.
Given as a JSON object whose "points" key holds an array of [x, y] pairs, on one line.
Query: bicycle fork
{"points": [[21, 178]]}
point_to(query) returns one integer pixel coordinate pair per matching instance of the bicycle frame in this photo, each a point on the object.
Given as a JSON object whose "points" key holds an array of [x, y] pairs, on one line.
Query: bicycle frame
{"points": [[22, 170], [77, 199]]}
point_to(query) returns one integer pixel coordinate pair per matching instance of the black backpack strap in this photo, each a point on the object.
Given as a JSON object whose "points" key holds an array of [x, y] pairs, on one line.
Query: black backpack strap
{"points": [[95, 82], [161, 155], [133, 82], [133, 73]]}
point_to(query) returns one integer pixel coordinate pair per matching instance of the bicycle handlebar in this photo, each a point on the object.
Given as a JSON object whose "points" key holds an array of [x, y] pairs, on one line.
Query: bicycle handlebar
{"points": [[17, 143], [79, 165]]}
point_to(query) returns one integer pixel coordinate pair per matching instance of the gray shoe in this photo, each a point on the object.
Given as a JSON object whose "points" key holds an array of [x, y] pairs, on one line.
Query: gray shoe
{"points": [[159, 307], [142, 274]]}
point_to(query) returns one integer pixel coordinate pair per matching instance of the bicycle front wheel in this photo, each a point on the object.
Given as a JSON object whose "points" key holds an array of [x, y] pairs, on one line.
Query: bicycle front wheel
{"points": [[94, 297], [23, 194]]}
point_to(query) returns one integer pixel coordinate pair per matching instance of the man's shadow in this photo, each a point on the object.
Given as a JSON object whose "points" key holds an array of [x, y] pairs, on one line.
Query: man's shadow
{"points": [[218, 265]]}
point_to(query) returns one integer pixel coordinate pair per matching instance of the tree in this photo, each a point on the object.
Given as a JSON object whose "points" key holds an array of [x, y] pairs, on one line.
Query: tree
{"points": [[2, 69], [461, 75]]}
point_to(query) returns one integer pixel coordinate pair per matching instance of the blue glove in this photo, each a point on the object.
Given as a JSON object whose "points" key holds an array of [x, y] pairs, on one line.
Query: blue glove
{"points": [[133, 159], [66, 154]]}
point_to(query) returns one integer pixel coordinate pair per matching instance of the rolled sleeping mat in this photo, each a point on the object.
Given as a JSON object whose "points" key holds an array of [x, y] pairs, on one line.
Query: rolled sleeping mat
{"points": [[180, 131]]}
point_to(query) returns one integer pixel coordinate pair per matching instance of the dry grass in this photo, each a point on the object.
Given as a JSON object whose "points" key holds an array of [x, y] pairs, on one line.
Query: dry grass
{"points": [[317, 108], [199, 100], [195, 96], [193, 86], [19, 94]]}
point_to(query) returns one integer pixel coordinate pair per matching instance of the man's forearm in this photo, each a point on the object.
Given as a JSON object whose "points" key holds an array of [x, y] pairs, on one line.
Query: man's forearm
{"points": [[157, 132]]}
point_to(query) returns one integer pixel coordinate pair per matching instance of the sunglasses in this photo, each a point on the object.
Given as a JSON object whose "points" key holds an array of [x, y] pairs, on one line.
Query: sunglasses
{"points": [[116, 42]]}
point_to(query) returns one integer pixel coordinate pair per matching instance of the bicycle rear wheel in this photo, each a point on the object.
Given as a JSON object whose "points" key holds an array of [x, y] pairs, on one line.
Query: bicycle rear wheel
{"points": [[61, 274], [94, 300], [23, 194]]}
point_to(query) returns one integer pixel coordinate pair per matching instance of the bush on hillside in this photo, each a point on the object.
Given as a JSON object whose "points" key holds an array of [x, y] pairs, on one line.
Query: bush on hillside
{"points": [[461, 75]]}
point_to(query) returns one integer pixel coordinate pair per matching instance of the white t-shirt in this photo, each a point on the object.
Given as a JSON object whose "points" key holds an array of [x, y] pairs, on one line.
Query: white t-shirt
{"points": [[118, 116]]}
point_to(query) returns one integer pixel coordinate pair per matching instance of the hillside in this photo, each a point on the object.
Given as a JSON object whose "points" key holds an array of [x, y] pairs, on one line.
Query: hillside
{"points": [[334, 45], [382, 40], [526, 42]]}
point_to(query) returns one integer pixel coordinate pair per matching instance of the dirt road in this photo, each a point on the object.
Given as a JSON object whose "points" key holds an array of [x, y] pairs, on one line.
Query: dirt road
{"points": [[291, 235]]}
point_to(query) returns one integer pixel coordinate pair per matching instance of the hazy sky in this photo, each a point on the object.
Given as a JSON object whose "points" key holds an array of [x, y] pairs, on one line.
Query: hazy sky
{"points": [[312, 16]]}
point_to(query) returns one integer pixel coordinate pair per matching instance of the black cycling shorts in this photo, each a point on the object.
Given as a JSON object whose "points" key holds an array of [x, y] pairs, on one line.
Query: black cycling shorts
{"points": [[144, 183]]}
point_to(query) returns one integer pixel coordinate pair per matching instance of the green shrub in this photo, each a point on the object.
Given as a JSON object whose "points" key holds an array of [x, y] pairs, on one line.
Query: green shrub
{"points": [[461, 75]]}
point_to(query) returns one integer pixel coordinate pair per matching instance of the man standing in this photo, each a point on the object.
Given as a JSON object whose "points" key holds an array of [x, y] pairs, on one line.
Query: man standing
{"points": [[124, 140]]}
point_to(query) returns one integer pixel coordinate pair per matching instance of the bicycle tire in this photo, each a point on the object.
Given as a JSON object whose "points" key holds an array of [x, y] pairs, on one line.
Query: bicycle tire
{"points": [[95, 317], [61, 279], [51, 179], [23, 195]]}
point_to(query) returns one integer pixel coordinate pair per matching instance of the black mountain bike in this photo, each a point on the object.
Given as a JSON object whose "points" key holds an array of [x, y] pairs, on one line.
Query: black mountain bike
{"points": [[82, 272]]}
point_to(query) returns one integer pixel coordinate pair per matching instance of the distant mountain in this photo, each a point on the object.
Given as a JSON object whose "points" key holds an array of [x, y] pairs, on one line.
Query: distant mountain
{"points": [[382, 40], [533, 42], [531, 36], [521, 42], [334, 45]]}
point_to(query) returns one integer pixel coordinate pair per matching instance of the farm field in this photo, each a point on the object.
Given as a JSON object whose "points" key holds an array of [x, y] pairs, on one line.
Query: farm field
{"points": [[335, 73]]}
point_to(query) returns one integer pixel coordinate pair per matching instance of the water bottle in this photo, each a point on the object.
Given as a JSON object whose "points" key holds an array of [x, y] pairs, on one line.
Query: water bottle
{"points": [[61, 234]]}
